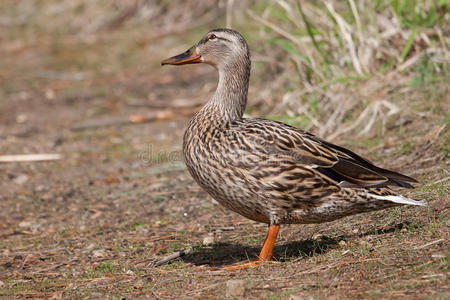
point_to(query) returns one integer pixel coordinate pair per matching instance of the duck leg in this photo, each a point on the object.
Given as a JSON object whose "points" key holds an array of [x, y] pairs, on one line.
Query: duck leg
{"points": [[264, 255], [269, 242]]}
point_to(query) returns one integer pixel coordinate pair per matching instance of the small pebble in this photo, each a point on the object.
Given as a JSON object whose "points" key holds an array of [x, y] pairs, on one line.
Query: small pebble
{"points": [[317, 236], [342, 243], [50, 94], [99, 253], [40, 188], [235, 288], [208, 241], [129, 272], [25, 224], [21, 118], [21, 179]]}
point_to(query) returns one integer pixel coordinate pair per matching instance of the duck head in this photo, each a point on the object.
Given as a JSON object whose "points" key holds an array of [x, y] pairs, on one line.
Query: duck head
{"points": [[220, 48]]}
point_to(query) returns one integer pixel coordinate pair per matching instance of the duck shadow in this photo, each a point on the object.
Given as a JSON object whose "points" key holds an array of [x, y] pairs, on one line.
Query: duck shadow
{"points": [[220, 254]]}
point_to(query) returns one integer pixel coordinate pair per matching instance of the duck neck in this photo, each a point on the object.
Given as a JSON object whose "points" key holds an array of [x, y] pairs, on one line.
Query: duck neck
{"points": [[230, 98]]}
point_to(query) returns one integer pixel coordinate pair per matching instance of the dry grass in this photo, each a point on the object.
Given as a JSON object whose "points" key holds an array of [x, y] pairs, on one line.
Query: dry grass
{"points": [[344, 58], [89, 225]]}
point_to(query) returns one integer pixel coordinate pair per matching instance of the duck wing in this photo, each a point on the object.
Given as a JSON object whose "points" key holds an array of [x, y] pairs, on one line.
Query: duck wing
{"points": [[337, 163]]}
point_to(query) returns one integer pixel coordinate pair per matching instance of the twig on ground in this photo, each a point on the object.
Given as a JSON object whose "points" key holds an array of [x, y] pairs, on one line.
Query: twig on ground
{"points": [[30, 157], [439, 181], [168, 258], [45, 270], [433, 134], [429, 244]]}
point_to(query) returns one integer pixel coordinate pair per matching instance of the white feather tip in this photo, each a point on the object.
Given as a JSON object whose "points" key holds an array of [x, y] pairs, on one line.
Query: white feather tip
{"points": [[398, 199]]}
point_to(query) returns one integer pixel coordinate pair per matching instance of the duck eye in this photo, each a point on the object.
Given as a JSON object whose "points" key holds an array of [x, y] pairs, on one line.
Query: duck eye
{"points": [[212, 37]]}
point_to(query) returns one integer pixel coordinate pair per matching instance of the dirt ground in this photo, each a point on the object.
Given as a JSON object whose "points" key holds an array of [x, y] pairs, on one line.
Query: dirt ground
{"points": [[90, 224]]}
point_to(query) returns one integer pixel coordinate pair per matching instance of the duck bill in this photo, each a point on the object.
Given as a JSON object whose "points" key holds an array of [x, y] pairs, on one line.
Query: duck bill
{"points": [[188, 57]]}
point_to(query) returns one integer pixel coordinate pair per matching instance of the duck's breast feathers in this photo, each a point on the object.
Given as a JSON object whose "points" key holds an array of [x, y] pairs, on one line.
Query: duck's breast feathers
{"points": [[275, 141]]}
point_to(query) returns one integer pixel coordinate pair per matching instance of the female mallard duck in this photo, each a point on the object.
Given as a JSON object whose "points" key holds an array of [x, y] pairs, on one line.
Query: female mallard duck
{"points": [[268, 171]]}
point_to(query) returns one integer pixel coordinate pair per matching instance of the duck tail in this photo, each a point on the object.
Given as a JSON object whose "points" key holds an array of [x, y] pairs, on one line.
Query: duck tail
{"points": [[398, 199]]}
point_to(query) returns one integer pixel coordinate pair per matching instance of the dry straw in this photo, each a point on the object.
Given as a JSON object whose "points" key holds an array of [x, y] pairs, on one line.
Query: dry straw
{"points": [[349, 56]]}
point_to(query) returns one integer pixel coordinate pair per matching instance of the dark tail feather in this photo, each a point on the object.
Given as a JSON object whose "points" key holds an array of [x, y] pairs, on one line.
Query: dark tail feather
{"points": [[400, 183], [397, 178]]}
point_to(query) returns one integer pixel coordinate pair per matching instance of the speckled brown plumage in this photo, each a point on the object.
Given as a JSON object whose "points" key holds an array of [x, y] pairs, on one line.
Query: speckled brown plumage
{"points": [[268, 171]]}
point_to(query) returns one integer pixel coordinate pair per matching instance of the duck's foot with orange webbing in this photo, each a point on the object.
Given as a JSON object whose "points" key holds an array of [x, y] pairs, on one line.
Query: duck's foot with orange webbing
{"points": [[264, 255]]}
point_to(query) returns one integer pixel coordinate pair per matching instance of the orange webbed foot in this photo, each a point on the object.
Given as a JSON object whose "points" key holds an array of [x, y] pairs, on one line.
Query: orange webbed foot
{"points": [[243, 265], [264, 255]]}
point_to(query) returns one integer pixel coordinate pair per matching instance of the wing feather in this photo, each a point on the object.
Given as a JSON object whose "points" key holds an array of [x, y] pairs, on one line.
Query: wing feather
{"points": [[334, 162]]}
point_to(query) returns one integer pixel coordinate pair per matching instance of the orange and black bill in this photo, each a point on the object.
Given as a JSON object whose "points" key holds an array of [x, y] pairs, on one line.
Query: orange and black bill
{"points": [[188, 57]]}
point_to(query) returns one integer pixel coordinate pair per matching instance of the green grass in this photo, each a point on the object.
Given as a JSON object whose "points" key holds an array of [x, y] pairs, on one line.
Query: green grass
{"points": [[420, 13], [136, 225], [426, 72], [405, 148], [106, 267]]}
